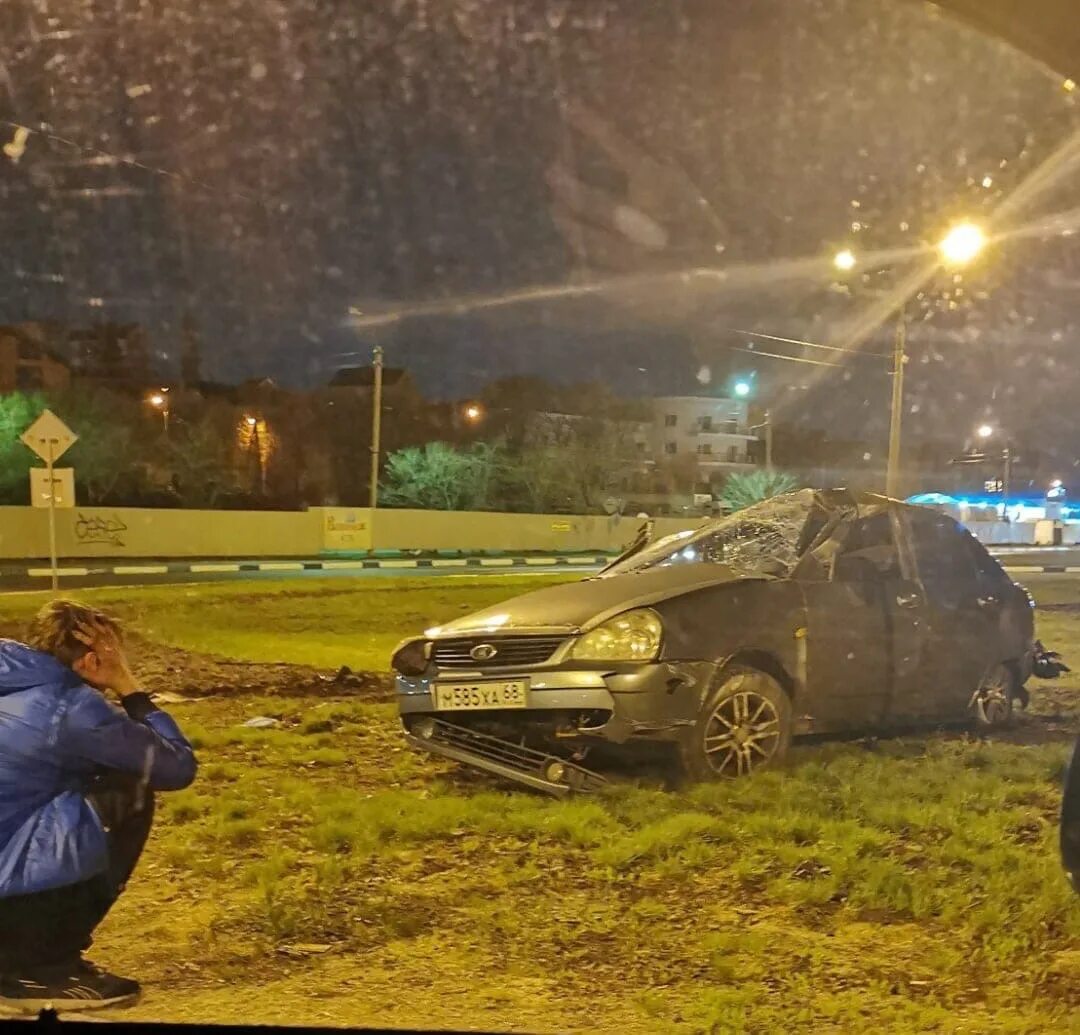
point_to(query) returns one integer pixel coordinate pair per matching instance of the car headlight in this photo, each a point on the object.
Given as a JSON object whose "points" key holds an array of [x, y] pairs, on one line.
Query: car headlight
{"points": [[633, 636], [411, 658]]}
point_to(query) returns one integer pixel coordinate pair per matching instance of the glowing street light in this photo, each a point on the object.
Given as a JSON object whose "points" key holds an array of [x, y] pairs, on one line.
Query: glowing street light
{"points": [[741, 389], [251, 421], [160, 401], [962, 244], [987, 432], [845, 260], [473, 413]]}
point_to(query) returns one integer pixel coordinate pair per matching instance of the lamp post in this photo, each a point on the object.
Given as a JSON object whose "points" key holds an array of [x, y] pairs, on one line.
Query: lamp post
{"points": [[986, 432], [376, 421], [959, 247], [160, 401]]}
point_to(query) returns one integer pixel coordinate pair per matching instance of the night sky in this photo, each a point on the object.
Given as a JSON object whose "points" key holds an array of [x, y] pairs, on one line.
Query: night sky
{"points": [[300, 159]]}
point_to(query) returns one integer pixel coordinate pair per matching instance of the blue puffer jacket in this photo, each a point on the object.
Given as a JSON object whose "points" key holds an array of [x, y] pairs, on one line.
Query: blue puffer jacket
{"points": [[56, 734]]}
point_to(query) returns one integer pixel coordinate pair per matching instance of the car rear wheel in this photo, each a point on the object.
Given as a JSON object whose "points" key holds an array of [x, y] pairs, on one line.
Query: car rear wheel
{"points": [[993, 704], [744, 726]]}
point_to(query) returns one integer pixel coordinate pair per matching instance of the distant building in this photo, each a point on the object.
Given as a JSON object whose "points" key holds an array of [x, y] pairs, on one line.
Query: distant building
{"points": [[27, 363], [113, 355], [715, 431]]}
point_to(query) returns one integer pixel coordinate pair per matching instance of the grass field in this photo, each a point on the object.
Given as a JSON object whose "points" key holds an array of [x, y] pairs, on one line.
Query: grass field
{"points": [[318, 872]]}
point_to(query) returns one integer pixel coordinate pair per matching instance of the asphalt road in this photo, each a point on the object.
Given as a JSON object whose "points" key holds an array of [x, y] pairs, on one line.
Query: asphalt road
{"points": [[25, 583], [1028, 565]]}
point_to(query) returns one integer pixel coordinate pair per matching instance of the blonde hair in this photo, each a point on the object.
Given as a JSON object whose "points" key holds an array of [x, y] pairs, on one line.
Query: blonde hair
{"points": [[53, 629]]}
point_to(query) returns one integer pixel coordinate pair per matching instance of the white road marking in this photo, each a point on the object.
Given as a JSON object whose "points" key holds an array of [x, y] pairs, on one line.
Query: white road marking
{"points": [[141, 569], [47, 572], [496, 562], [397, 564], [206, 568], [281, 566], [459, 563]]}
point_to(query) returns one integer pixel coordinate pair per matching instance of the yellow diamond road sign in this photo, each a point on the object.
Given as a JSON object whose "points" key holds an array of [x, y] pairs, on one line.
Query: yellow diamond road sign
{"points": [[49, 437]]}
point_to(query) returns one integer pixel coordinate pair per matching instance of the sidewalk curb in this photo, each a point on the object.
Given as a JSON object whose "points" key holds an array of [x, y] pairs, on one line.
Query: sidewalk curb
{"points": [[227, 567]]}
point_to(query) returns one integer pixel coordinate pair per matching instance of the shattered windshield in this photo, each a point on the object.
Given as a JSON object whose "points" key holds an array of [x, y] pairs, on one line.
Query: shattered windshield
{"points": [[761, 540]]}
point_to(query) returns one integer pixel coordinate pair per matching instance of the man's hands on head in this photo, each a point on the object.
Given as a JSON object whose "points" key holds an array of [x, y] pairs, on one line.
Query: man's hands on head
{"points": [[104, 666]]}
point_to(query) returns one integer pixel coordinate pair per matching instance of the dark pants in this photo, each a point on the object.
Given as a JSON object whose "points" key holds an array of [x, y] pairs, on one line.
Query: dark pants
{"points": [[55, 926]]}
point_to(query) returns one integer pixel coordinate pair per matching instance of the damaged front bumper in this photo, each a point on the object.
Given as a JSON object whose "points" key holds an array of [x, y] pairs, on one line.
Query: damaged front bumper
{"points": [[564, 711], [536, 769]]}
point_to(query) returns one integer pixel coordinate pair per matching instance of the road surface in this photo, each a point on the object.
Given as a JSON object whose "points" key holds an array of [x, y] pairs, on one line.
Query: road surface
{"points": [[1025, 564]]}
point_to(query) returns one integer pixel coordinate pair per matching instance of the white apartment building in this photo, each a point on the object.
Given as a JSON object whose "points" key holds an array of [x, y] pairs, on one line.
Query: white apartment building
{"points": [[715, 431]]}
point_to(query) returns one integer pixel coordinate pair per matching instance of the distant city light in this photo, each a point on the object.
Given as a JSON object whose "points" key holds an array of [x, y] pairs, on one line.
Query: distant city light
{"points": [[985, 430], [742, 389], [157, 399], [988, 181], [1056, 483], [250, 421], [962, 244], [845, 260], [473, 412]]}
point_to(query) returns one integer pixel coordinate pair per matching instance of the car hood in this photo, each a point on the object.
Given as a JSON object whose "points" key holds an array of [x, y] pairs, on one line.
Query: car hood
{"points": [[578, 606]]}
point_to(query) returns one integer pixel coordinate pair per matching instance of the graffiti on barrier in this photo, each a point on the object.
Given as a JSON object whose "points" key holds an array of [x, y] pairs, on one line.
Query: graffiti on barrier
{"points": [[99, 530]]}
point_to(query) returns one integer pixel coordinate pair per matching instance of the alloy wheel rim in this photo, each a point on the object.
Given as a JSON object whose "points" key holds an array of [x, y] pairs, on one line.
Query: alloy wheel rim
{"points": [[742, 734], [994, 706]]}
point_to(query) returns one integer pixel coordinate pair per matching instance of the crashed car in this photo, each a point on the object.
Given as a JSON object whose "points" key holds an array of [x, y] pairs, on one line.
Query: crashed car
{"points": [[813, 612]]}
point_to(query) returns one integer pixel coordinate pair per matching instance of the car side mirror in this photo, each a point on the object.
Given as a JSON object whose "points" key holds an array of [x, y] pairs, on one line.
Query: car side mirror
{"points": [[1070, 819]]}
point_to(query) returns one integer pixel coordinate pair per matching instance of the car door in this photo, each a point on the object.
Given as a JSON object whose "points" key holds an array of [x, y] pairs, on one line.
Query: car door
{"points": [[859, 639], [958, 629]]}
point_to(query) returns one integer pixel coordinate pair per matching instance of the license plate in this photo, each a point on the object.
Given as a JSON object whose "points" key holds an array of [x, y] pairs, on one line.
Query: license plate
{"points": [[458, 697]]}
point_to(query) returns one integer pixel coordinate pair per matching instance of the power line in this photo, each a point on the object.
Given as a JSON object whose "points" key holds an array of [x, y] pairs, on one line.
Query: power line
{"points": [[809, 344], [777, 355]]}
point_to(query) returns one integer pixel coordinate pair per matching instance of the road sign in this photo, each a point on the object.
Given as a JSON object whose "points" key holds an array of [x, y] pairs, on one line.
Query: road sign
{"points": [[60, 494], [49, 437]]}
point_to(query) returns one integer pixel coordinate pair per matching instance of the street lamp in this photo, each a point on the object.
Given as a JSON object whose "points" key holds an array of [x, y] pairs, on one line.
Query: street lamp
{"points": [[959, 247], [987, 432], [159, 400], [741, 389], [254, 432], [962, 244], [845, 260], [473, 413]]}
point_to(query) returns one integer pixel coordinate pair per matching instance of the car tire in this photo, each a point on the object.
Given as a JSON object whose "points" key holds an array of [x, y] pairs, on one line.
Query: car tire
{"points": [[993, 702], [744, 725]]}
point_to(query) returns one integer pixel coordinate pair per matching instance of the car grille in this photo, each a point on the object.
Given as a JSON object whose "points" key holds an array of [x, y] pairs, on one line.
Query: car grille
{"points": [[511, 652]]}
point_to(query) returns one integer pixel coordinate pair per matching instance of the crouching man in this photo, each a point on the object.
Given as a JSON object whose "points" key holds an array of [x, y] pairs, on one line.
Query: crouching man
{"points": [[77, 776]]}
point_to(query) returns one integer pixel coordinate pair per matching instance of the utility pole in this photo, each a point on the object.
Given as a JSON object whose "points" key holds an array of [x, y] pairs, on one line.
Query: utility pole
{"points": [[376, 422], [767, 426], [892, 476], [1007, 457], [768, 442]]}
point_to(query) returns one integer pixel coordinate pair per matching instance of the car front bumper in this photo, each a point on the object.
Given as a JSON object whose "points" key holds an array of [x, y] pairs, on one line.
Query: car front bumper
{"points": [[656, 701]]}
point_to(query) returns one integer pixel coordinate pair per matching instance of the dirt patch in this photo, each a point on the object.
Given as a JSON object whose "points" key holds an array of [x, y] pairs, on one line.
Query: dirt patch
{"points": [[170, 670], [189, 674]]}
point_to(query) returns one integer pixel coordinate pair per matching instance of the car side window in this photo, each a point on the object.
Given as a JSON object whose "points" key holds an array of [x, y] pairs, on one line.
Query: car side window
{"points": [[869, 553], [945, 560], [987, 569]]}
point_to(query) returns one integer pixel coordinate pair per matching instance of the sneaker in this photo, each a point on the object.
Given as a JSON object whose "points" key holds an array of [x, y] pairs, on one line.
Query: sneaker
{"points": [[65, 988]]}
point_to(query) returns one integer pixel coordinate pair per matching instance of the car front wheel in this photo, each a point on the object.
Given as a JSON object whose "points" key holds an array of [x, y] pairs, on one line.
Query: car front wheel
{"points": [[744, 726]]}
